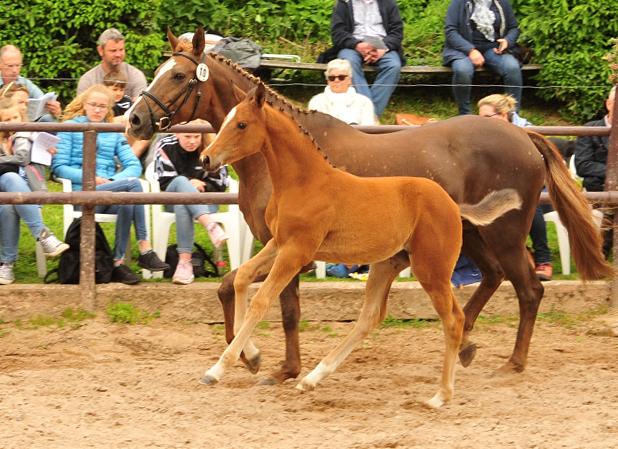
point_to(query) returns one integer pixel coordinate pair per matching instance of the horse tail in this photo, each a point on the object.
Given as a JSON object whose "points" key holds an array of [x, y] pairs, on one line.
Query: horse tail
{"points": [[574, 211], [494, 205]]}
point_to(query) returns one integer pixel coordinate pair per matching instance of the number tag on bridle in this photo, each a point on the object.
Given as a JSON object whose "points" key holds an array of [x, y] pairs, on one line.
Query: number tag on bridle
{"points": [[202, 72]]}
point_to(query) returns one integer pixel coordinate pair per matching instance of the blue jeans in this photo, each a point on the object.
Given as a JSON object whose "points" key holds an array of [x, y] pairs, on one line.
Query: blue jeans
{"points": [[504, 65], [186, 213], [538, 234], [10, 214], [388, 68], [127, 214]]}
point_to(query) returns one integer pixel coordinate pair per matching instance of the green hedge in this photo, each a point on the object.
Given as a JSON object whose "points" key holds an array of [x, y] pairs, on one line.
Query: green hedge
{"points": [[58, 37], [571, 39]]}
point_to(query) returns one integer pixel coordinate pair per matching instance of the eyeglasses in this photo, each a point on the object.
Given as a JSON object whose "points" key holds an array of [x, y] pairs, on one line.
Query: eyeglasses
{"points": [[337, 77], [102, 107], [13, 66]]}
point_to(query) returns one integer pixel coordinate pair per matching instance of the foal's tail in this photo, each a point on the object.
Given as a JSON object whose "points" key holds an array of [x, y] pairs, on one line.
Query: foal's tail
{"points": [[494, 205], [574, 212]]}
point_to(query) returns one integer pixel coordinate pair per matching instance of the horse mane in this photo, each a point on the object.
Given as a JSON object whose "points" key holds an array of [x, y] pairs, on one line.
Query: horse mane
{"points": [[302, 129], [274, 99]]}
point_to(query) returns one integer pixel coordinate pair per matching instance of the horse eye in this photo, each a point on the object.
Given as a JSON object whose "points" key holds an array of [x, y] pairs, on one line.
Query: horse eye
{"points": [[242, 125], [180, 76]]}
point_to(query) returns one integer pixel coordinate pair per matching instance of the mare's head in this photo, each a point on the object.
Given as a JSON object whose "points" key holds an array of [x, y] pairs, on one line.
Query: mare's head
{"points": [[243, 132], [179, 88]]}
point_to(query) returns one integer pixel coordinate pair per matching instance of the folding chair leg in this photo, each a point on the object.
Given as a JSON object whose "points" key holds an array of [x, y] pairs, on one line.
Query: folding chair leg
{"points": [[41, 262]]}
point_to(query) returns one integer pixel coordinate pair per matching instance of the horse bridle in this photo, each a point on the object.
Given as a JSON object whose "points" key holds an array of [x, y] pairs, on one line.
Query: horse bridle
{"points": [[201, 74]]}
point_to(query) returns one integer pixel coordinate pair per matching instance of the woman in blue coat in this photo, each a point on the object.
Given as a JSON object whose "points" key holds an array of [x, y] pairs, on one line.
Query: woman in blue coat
{"points": [[95, 106], [481, 33]]}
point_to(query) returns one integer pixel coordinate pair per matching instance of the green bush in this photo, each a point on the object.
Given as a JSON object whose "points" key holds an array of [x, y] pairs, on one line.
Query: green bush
{"points": [[571, 40], [58, 37]]}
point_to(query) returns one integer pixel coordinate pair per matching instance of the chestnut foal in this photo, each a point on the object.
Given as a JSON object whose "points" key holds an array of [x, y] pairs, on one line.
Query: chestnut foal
{"points": [[317, 212]]}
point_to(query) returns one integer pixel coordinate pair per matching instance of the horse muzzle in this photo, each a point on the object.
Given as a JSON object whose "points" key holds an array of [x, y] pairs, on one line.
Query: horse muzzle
{"points": [[137, 127], [208, 164]]}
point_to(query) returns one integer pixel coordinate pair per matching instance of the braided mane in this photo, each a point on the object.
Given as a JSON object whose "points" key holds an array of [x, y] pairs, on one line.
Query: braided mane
{"points": [[276, 100]]}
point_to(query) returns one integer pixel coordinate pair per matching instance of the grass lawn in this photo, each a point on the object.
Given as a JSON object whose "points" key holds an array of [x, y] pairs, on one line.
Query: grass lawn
{"points": [[423, 100]]}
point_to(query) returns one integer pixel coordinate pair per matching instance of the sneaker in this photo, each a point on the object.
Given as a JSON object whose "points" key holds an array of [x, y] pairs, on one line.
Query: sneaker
{"points": [[50, 243], [123, 274], [6, 274], [217, 234], [184, 273], [544, 271], [150, 261]]}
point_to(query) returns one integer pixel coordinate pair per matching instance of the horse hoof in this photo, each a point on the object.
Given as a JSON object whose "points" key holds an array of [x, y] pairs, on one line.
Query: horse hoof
{"points": [[466, 355], [506, 370], [208, 380], [305, 386], [268, 381], [435, 403], [253, 365]]}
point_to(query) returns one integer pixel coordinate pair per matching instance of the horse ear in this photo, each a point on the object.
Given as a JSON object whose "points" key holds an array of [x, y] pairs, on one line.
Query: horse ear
{"points": [[173, 39], [239, 93], [199, 42], [260, 94]]}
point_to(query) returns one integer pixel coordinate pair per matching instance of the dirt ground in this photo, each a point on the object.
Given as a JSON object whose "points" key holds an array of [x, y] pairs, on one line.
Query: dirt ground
{"points": [[106, 385]]}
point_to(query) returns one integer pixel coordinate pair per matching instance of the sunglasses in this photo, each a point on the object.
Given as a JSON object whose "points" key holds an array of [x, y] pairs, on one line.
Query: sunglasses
{"points": [[337, 77]]}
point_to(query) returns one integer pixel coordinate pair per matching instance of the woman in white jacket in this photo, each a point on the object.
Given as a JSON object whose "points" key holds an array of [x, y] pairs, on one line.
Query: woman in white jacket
{"points": [[340, 99]]}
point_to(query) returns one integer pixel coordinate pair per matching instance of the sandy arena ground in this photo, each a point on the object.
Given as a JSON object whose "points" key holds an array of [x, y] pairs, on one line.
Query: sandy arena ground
{"points": [[106, 385]]}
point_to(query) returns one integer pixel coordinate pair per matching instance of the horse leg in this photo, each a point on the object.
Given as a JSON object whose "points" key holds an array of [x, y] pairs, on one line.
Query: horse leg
{"points": [[432, 269], [381, 276], [529, 291], [513, 258], [226, 297], [257, 266], [477, 250], [290, 315], [286, 265]]}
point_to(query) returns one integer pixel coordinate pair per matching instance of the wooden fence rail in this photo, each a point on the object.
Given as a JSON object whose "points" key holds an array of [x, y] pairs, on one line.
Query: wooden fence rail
{"points": [[89, 198]]}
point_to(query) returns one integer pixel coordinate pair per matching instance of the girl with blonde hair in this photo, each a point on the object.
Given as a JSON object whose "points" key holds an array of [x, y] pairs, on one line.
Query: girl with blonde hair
{"points": [[18, 174], [19, 93], [95, 106], [502, 106]]}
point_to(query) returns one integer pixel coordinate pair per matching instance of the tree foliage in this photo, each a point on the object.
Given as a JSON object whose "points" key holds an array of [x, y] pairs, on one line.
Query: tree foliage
{"points": [[58, 37], [571, 38]]}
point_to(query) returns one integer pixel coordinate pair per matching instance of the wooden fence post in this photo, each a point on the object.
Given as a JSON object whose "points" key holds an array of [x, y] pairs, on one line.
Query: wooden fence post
{"points": [[87, 243], [611, 184]]}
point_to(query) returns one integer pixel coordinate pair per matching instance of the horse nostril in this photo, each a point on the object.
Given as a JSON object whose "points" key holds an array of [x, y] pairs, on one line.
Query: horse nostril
{"points": [[205, 162], [135, 121]]}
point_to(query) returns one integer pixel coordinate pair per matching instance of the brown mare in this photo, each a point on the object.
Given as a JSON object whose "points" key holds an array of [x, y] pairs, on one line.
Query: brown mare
{"points": [[311, 211], [468, 156]]}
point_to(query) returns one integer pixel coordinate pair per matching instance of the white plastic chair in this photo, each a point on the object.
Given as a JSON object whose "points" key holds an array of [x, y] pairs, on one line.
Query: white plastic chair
{"points": [[573, 170], [563, 241], [41, 262], [70, 214], [320, 271], [563, 237], [239, 245]]}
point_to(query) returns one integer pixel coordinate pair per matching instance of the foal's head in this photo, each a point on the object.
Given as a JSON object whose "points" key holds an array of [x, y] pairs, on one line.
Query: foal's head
{"points": [[243, 132]]}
